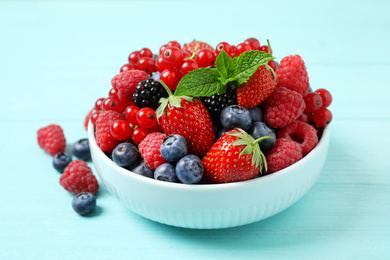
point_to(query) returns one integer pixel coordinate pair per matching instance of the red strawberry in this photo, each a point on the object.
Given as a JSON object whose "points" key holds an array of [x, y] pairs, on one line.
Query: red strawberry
{"points": [[187, 117], [190, 47], [236, 156], [259, 86]]}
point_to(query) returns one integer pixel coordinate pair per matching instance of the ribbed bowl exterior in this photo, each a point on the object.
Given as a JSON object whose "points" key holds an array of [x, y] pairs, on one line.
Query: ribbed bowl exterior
{"points": [[210, 206]]}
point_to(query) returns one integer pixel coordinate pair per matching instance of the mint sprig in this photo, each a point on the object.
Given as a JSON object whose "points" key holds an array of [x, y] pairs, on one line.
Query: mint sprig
{"points": [[205, 82]]}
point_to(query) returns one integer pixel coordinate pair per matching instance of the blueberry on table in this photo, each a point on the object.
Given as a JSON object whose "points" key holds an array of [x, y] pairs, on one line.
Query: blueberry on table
{"points": [[189, 169], [61, 160], [125, 155], [174, 147], [236, 116], [84, 203], [81, 150], [260, 129], [166, 172], [143, 169]]}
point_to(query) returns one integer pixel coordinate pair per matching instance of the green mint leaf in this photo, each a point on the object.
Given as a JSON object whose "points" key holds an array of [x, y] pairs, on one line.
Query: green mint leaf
{"points": [[224, 64], [201, 82], [247, 63]]}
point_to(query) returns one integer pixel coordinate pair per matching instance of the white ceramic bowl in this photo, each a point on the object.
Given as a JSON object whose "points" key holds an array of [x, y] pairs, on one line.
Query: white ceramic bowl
{"points": [[210, 206]]}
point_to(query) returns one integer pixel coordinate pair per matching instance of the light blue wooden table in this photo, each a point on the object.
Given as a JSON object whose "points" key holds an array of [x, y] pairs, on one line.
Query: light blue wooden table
{"points": [[57, 58]]}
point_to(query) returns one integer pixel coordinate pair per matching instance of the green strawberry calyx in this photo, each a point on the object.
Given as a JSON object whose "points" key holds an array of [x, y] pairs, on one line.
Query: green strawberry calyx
{"points": [[251, 147], [228, 73], [173, 100]]}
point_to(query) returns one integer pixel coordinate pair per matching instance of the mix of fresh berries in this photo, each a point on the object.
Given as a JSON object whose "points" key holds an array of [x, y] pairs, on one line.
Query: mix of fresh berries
{"points": [[195, 113], [231, 111]]}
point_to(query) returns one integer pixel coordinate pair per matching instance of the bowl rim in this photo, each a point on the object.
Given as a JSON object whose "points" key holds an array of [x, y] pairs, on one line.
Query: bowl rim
{"points": [[197, 187]]}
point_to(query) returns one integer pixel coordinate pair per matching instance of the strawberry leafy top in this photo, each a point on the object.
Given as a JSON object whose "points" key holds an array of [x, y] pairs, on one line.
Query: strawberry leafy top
{"points": [[228, 72], [251, 147], [174, 101]]}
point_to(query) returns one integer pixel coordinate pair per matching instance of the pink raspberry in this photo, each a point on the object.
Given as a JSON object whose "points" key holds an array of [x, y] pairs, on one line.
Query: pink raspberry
{"points": [[283, 154], [51, 139], [78, 177], [126, 82], [105, 141], [149, 149], [292, 74], [302, 133], [283, 107]]}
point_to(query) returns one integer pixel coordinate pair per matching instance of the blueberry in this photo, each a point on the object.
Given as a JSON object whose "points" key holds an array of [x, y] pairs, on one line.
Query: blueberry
{"points": [[61, 160], [256, 114], [80, 149], [260, 129], [166, 172], [126, 155], [143, 169], [84, 203], [236, 116], [173, 148], [189, 169]]}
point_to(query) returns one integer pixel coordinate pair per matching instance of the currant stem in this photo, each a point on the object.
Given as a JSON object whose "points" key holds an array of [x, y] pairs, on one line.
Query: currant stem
{"points": [[194, 53], [269, 47]]}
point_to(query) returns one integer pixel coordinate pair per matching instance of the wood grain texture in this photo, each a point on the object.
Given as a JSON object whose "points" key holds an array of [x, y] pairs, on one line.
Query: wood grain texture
{"points": [[57, 58]]}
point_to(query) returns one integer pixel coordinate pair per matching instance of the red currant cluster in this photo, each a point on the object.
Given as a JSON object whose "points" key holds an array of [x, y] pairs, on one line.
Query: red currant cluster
{"points": [[141, 60], [316, 110]]}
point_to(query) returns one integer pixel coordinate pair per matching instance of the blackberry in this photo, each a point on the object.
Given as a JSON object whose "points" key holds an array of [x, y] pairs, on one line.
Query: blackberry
{"points": [[217, 102], [148, 93]]}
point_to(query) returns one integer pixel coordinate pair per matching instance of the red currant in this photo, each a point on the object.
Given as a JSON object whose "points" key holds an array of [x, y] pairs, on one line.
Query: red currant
{"points": [[94, 117], [145, 52], [113, 93], [253, 42], [170, 77], [233, 51], [172, 56], [223, 45], [130, 114], [162, 48], [113, 103], [161, 64], [264, 48], [186, 55], [99, 104], [241, 48], [205, 58], [139, 134], [174, 43], [120, 130], [147, 64], [273, 64], [129, 66], [325, 95], [313, 102], [146, 117], [133, 57], [187, 66], [322, 117]]}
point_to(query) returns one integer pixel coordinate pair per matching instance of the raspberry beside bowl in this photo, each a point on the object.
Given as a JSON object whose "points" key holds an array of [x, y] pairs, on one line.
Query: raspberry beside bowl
{"points": [[210, 206]]}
